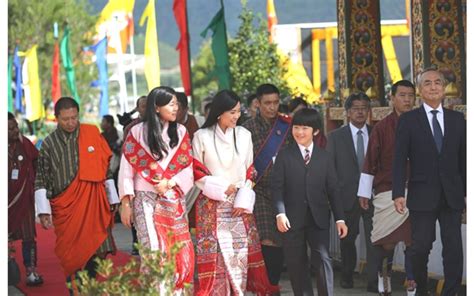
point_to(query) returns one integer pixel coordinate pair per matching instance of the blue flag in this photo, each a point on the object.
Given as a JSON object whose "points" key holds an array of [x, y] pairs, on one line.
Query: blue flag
{"points": [[100, 50], [18, 81]]}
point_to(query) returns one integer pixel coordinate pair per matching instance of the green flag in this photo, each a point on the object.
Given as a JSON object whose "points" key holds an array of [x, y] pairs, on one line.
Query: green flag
{"points": [[9, 81], [68, 65], [219, 48]]}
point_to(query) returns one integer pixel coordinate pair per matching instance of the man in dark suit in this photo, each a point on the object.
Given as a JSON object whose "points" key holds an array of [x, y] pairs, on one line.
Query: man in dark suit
{"points": [[303, 181], [433, 139], [348, 144]]}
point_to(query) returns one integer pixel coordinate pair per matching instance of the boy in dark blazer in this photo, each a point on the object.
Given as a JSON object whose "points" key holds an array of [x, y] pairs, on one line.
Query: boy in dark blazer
{"points": [[303, 181]]}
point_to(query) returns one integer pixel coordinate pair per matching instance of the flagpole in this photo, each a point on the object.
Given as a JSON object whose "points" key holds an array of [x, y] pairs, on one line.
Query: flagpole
{"points": [[193, 104], [134, 72], [121, 74]]}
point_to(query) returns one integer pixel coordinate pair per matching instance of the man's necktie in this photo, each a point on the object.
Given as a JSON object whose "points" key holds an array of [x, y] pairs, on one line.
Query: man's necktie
{"points": [[437, 133], [306, 157], [360, 150]]}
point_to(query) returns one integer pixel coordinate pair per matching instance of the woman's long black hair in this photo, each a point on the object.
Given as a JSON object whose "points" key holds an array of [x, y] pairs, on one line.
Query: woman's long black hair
{"points": [[159, 97], [225, 100]]}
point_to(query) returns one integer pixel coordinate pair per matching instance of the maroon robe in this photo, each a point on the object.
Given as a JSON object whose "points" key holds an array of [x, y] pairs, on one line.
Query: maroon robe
{"points": [[21, 201]]}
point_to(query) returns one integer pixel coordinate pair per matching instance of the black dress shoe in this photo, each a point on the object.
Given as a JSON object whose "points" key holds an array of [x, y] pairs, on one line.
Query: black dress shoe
{"points": [[347, 284]]}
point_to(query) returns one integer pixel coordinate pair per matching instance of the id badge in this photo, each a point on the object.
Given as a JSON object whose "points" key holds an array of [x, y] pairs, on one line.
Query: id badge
{"points": [[15, 173]]}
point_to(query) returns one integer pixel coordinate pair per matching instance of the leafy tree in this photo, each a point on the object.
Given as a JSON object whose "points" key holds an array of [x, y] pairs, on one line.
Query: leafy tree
{"points": [[203, 83], [31, 22], [253, 59]]}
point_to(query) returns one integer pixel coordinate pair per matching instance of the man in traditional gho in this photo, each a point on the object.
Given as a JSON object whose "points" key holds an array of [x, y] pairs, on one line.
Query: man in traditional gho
{"points": [[389, 227], [269, 134], [22, 156], [75, 192]]}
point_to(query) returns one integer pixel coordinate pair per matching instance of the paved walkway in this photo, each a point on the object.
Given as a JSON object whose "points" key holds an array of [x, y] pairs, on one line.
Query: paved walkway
{"points": [[123, 239]]}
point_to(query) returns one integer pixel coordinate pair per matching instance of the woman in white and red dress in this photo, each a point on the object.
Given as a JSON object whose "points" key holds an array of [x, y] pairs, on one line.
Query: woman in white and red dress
{"points": [[155, 174], [228, 247]]}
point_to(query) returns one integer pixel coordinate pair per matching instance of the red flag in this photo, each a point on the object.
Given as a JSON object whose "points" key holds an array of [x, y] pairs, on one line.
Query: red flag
{"points": [[179, 9], [55, 84]]}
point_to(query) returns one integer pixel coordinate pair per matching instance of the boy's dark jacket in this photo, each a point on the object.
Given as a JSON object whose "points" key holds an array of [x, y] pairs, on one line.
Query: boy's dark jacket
{"points": [[296, 186]]}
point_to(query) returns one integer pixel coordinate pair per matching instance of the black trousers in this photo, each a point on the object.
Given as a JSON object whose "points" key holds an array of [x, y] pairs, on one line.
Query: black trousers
{"points": [[424, 234], [295, 243], [348, 248], [273, 258]]}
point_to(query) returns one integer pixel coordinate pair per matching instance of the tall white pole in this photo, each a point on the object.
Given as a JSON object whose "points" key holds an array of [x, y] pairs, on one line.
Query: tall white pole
{"points": [[134, 73]]}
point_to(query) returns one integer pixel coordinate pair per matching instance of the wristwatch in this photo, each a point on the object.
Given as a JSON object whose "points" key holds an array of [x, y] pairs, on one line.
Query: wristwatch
{"points": [[171, 183]]}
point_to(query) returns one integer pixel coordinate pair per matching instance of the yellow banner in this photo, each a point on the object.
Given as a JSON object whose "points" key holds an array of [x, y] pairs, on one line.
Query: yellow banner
{"points": [[391, 59], [31, 85], [152, 58]]}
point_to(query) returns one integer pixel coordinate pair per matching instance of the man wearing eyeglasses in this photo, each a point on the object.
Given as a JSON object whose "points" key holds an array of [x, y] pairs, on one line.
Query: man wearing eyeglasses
{"points": [[349, 145]]}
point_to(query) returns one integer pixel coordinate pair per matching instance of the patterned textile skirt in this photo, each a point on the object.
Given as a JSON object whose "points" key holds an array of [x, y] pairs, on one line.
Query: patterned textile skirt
{"points": [[230, 276], [147, 206], [388, 225], [143, 209]]}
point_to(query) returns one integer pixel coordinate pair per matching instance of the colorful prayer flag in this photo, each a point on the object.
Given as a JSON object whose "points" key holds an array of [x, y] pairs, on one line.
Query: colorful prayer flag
{"points": [[152, 58], [116, 17], [9, 81], [68, 65], [100, 50], [219, 48], [55, 78], [31, 85], [180, 14], [18, 82], [272, 18]]}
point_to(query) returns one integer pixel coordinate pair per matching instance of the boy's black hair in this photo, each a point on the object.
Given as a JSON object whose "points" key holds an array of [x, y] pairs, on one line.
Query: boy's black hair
{"points": [[307, 117]]}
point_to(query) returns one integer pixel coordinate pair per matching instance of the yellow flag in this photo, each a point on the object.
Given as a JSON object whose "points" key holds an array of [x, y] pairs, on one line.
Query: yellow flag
{"points": [[152, 59], [31, 85], [272, 18], [116, 22], [113, 6]]}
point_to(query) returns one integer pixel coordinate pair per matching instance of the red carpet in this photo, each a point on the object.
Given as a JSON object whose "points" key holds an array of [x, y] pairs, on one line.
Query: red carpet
{"points": [[48, 265]]}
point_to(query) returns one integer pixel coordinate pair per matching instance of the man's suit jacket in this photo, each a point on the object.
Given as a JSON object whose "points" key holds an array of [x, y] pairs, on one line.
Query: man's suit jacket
{"points": [[341, 145], [295, 186], [431, 173]]}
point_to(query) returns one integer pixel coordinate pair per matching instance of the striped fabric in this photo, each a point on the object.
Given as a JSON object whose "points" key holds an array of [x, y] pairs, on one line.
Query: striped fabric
{"points": [[58, 162]]}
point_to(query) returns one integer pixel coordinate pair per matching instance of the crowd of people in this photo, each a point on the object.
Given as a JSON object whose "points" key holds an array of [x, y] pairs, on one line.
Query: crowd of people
{"points": [[248, 195]]}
